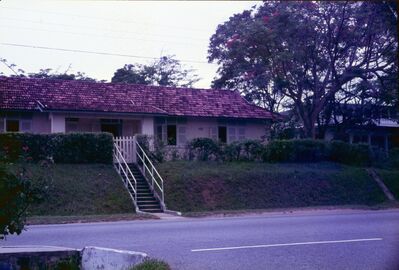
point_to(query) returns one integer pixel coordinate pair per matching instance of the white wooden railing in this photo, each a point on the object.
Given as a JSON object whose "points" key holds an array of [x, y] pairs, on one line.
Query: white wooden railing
{"points": [[128, 178], [126, 147], [151, 174]]}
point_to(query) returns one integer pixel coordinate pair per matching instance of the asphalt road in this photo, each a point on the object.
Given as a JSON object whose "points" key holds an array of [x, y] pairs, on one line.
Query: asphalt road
{"points": [[325, 240]]}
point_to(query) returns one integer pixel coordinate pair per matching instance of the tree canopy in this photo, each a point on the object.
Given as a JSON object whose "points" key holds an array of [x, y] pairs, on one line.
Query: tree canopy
{"points": [[309, 54], [47, 73], [165, 71]]}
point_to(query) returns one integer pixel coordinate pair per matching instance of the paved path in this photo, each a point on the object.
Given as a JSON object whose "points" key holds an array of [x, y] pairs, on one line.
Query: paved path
{"points": [[325, 240]]}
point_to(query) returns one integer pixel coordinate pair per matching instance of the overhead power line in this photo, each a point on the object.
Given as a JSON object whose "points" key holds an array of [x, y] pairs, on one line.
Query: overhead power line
{"points": [[47, 23], [96, 52], [97, 35], [108, 19]]}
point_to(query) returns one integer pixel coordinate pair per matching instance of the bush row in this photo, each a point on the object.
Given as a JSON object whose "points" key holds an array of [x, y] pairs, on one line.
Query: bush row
{"points": [[62, 148], [289, 151]]}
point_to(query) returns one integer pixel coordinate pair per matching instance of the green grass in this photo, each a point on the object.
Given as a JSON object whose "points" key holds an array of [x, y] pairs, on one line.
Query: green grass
{"points": [[79, 189], [208, 186], [152, 264], [391, 180]]}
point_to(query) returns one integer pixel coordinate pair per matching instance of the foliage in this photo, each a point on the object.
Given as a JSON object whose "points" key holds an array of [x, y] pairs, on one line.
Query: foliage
{"points": [[209, 186], [166, 71], [295, 151], [309, 55], [17, 193], [152, 264], [394, 158], [352, 154], [318, 150], [62, 148], [246, 150], [252, 150], [203, 149], [48, 73], [158, 152], [231, 151]]}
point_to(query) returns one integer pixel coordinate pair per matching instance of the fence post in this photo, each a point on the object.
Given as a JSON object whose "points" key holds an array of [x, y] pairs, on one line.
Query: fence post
{"points": [[134, 158]]}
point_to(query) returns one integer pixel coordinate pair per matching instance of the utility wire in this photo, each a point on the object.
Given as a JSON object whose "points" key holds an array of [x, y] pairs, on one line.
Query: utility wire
{"points": [[96, 52], [46, 23], [95, 35], [107, 19]]}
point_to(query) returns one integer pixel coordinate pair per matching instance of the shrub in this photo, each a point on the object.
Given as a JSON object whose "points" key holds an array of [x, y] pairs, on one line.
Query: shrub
{"points": [[152, 264], [394, 158], [278, 151], [351, 154], [252, 150], [16, 195], [296, 151], [231, 151], [203, 149], [62, 148], [158, 152]]}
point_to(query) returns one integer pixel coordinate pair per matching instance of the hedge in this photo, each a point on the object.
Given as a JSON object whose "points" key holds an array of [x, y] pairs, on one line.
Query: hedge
{"points": [[303, 150], [62, 148]]}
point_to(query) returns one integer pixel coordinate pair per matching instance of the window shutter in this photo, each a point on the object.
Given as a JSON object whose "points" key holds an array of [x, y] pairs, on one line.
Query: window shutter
{"points": [[241, 133], [232, 134], [181, 134], [26, 125], [213, 133], [2, 122]]}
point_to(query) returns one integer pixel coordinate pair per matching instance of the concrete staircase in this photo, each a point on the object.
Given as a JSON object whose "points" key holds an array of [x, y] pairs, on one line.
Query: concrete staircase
{"points": [[146, 201]]}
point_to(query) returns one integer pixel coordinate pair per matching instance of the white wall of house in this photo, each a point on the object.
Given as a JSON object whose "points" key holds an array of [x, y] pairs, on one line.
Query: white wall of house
{"points": [[41, 123], [147, 125], [57, 122], [25, 122], [190, 128], [186, 128]]}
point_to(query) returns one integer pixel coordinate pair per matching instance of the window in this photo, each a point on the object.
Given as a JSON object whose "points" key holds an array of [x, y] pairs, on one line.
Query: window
{"points": [[182, 135], [159, 133], [222, 134], [113, 126], [71, 124], [171, 134], [232, 134], [12, 125], [213, 133], [25, 125], [241, 133]]}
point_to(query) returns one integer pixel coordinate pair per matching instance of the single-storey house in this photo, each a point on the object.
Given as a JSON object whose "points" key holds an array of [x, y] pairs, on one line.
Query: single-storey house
{"points": [[174, 115]]}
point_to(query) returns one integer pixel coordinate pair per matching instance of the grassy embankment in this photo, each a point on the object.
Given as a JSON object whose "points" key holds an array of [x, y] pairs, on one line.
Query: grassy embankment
{"points": [[391, 180], [79, 193], [207, 186], [94, 192]]}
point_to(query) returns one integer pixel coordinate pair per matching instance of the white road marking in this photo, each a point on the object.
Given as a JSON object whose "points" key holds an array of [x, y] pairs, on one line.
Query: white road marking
{"points": [[288, 244]]}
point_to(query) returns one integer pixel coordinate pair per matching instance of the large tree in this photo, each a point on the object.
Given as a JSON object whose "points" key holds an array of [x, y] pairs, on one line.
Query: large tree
{"points": [[165, 71], [307, 53]]}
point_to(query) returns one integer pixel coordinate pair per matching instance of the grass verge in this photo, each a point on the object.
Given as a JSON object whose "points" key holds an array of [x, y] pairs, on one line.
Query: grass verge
{"points": [[210, 186], [37, 220]]}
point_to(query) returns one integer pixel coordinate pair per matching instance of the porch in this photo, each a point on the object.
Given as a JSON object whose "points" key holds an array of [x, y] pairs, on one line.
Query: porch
{"points": [[117, 125]]}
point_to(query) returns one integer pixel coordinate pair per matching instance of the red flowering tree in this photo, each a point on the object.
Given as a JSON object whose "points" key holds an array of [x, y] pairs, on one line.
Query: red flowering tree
{"points": [[308, 54]]}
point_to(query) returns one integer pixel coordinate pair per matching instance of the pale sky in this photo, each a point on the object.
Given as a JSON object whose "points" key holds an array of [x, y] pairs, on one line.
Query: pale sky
{"points": [[139, 28]]}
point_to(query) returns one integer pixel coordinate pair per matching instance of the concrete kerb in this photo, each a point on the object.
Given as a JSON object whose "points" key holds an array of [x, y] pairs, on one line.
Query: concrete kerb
{"points": [[91, 258], [94, 258], [171, 212]]}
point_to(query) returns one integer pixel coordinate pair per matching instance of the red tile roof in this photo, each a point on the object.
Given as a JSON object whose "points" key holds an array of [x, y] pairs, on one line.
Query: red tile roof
{"points": [[25, 94]]}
